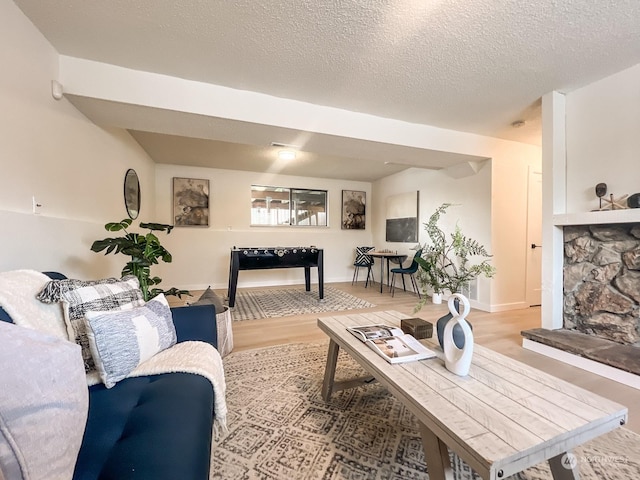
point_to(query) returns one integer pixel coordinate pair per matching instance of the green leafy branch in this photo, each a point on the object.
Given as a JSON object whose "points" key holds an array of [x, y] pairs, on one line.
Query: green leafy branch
{"points": [[446, 261], [144, 251]]}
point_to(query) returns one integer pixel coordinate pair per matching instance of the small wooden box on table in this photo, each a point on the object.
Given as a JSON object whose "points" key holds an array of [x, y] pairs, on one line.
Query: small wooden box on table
{"points": [[417, 327], [502, 418]]}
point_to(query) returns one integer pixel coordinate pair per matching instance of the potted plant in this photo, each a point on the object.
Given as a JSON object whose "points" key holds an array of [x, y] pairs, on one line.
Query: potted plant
{"points": [[429, 275], [144, 250], [447, 262]]}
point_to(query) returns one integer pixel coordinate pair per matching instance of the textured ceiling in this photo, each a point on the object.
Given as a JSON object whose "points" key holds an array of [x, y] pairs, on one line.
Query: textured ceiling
{"points": [[469, 65]]}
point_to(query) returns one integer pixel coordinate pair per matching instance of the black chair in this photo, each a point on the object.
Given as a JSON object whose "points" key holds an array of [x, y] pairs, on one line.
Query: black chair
{"points": [[363, 261], [411, 271]]}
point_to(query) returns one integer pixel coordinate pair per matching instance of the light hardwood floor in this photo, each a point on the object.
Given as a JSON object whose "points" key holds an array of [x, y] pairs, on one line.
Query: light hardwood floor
{"points": [[497, 331]]}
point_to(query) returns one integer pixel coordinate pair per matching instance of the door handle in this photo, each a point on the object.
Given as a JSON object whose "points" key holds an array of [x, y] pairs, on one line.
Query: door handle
{"points": [[533, 245]]}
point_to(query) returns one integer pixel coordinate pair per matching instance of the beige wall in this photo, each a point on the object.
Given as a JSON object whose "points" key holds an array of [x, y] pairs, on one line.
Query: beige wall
{"points": [[201, 254], [50, 150], [509, 203]]}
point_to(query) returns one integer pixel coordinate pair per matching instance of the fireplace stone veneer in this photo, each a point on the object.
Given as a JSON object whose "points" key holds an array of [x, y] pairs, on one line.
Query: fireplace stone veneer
{"points": [[602, 281]]}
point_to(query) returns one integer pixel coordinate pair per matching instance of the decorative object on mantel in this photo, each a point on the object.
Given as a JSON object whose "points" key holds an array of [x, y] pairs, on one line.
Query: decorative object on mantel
{"points": [[458, 360], [601, 191], [611, 203], [634, 201]]}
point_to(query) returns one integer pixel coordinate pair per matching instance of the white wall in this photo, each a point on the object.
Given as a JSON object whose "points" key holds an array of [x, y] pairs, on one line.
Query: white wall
{"points": [[472, 195], [493, 211], [48, 149], [603, 139], [201, 254]]}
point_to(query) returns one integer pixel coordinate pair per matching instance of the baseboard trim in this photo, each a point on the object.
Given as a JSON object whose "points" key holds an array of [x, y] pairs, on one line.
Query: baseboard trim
{"points": [[606, 371], [509, 306]]}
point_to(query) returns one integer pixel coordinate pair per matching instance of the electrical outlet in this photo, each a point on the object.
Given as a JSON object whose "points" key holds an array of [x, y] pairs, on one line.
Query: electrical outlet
{"points": [[35, 205]]}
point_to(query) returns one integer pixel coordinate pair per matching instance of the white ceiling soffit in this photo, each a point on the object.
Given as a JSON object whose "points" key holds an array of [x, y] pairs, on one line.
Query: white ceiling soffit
{"points": [[188, 139]]}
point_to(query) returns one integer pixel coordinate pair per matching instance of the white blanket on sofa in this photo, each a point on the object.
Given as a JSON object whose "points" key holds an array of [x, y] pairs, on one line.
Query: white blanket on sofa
{"points": [[18, 290]]}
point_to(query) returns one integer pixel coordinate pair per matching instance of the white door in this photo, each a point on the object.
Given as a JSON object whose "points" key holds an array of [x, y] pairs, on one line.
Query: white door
{"points": [[534, 239]]}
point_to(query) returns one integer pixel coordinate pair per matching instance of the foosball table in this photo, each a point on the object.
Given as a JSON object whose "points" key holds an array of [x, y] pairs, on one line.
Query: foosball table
{"points": [[259, 258]]}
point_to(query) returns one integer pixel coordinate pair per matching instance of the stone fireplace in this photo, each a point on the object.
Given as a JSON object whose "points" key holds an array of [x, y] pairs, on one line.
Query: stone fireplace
{"points": [[600, 298], [602, 281]]}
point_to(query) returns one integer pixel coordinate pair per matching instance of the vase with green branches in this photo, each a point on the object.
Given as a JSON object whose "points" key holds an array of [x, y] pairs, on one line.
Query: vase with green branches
{"points": [[450, 262], [144, 250]]}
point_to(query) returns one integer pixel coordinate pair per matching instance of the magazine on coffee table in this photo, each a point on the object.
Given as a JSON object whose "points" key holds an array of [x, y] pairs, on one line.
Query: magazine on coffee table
{"points": [[391, 343]]}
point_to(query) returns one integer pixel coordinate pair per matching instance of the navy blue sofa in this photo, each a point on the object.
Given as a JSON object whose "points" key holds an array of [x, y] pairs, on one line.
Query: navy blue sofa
{"points": [[152, 428]]}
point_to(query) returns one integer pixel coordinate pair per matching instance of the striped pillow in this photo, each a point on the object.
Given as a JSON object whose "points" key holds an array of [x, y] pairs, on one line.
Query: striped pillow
{"points": [[76, 303], [54, 289], [122, 340]]}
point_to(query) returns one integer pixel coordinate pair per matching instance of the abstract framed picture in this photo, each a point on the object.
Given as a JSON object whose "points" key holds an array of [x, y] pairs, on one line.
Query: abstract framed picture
{"points": [[402, 217], [190, 202], [354, 210]]}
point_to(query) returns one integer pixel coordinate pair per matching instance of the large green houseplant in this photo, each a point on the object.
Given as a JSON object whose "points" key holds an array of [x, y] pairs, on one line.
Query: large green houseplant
{"points": [[447, 260], [144, 251]]}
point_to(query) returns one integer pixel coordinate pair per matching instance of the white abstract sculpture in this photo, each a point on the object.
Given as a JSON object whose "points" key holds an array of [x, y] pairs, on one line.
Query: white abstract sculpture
{"points": [[458, 360]]}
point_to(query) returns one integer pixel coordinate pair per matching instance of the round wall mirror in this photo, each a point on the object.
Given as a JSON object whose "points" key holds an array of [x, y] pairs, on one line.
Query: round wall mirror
{"points": [[132, 193]]}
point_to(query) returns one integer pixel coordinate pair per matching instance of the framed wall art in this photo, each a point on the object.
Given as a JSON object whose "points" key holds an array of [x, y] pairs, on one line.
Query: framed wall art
{"points": [[402, 217], [353, 210], [190, 202]]}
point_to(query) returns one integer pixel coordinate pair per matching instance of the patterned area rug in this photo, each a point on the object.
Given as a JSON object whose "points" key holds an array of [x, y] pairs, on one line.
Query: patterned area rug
{"points": [[280, 428], [282, 302]]}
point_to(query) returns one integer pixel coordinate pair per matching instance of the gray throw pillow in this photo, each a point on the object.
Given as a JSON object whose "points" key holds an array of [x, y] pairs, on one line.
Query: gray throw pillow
{"points": [[122, 340], [76, 303], [209, 297], [43, 404]]}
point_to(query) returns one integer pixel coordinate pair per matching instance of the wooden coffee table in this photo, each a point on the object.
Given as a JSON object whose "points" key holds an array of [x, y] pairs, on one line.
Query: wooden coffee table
{"points": [[502, 418]]}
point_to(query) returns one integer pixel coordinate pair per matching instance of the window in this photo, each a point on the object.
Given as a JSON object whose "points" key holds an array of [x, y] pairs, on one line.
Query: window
{"points": [[288, 206]]}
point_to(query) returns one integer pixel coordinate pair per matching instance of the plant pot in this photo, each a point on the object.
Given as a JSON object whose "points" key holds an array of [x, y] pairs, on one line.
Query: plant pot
{"points": [[436, 298], [458, 334], [225, 332]]}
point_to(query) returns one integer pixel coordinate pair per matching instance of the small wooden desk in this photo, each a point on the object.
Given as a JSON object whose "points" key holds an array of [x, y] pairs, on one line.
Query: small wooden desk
{"points": [[502, 418], [389, 256]]}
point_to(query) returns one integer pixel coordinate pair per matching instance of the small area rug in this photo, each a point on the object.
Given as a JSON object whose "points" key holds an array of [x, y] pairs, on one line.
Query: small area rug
{"points": [[282, 302], [280, 428]]}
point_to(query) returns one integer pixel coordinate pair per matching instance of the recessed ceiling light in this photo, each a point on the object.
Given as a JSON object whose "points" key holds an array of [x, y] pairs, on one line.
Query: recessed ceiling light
{"points": [[287, 155]]}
